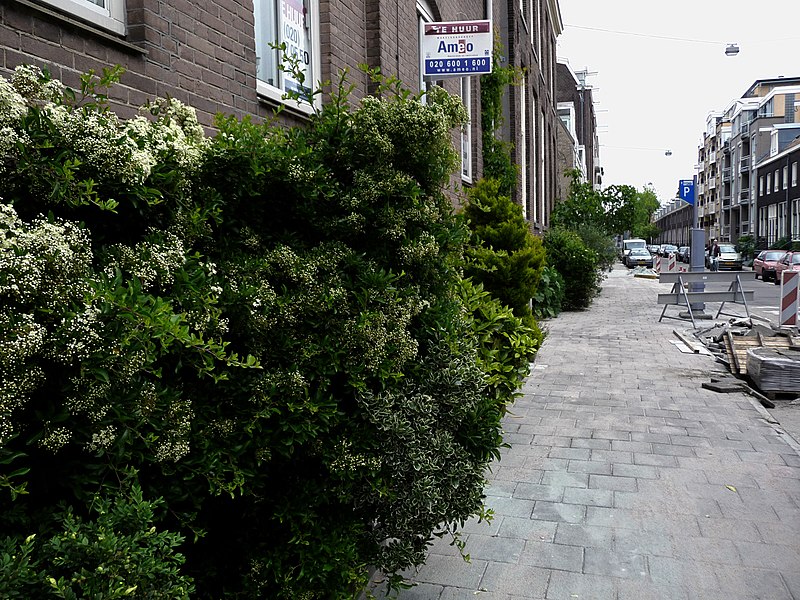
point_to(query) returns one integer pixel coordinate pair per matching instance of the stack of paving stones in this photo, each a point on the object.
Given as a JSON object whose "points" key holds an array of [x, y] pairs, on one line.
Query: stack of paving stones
{"points": [[626, 480]]}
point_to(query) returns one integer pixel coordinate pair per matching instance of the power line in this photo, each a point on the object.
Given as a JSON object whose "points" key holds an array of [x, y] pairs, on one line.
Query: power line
{"points": [[645, 35]]}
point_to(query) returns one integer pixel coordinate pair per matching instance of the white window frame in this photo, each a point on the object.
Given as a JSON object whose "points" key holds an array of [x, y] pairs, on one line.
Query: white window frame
{"points": [[523, 152], [769, 183], [795, 220], [111, 16], [794, 174], [776, 182], [534, 153], [276, 93], [785, 180], [761, 186], [466, 131]]}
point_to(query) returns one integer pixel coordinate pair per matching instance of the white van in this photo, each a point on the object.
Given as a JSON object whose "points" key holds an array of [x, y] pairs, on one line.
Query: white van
{"points": [[628, 245]]}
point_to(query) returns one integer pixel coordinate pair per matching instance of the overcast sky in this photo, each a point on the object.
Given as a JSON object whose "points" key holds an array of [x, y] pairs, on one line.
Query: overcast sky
{"points": [[654, 94]]}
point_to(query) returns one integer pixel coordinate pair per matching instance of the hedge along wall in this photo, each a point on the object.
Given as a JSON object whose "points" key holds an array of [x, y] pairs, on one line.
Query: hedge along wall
{"points": [[252, 358]]}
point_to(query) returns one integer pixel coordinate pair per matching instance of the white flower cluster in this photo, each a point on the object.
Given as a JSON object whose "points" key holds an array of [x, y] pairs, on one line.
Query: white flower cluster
{"points": [[30, 82], [88, 397], [174, 443], [12, 104], [103, 439], [55, 439], [78, 337], [44, 258], [21, 338], [153, 262], [102, 143], [348, 462]]}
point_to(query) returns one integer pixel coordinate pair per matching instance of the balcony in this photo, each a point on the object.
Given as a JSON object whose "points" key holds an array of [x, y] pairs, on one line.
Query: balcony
{"points": [[712, 183], [744, 128], [744, 165], [744, 194], [726, 174]]}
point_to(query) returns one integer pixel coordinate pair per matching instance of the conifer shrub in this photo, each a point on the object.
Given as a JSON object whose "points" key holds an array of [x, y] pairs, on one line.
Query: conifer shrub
{"points": [[245, 366]]}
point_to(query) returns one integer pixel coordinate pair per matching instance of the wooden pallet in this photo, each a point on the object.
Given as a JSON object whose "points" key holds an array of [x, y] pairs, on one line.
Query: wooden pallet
{"points": [[737, 346]]}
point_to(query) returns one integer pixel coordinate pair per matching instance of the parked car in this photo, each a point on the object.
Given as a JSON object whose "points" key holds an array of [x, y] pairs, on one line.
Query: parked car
{"points": [[683, 254], [667, 249], [790, 262], [653, 248], [639, 257], [728, 258], [764, 263]]}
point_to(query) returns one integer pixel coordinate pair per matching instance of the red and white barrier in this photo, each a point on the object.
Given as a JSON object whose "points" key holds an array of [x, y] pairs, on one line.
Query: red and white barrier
{"points": [[671, 264], [657, 264], [789, 280]]}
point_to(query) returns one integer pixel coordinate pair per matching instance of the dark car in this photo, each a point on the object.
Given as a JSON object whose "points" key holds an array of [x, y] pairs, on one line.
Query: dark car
{"points": [[764, 263], [683, 254]]}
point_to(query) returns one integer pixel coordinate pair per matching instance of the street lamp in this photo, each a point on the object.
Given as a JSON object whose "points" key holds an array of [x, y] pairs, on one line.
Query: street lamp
{"points": [[732, 50], [668, 153]]}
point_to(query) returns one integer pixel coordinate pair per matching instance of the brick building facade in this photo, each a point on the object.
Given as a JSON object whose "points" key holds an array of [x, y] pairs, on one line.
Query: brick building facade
{"points": [[215, 56]]}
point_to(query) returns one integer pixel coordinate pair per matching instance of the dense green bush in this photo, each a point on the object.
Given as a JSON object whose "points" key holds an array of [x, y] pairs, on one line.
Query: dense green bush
{"points": [[268, 332], [576, 263], [600, 243], [549, 296], [504, 256]]}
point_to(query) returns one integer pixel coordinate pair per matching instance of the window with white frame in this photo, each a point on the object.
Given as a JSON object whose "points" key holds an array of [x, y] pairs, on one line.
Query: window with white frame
{"points": [[466, 131], [794, 174], [534, 127], [785, 179], [292, 25], [777, 183], [795, 220], [772, 223], [761, 186], [769, 183], [523, 151], [106, 14], [782, 208]]}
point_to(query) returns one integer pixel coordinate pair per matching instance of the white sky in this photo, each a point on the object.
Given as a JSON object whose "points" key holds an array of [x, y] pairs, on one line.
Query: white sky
{"points": [[655, 94]]}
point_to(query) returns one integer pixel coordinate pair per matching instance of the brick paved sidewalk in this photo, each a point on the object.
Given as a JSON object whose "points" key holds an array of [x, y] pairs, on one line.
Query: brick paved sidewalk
{"points": [[626, 480]]}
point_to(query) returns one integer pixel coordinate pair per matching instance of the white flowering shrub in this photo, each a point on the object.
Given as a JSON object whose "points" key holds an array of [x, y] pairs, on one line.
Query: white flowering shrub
{"points": [[267, 331]]}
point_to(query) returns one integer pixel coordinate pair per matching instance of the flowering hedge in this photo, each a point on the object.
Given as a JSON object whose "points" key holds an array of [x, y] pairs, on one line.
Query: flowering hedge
{"points": [[244, 366]]}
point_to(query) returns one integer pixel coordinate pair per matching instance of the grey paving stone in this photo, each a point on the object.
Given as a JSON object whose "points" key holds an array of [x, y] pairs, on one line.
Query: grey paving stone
{"points": [[635, 471], [422, 591], [672, 450], [683, 574], [494, 548], [520, 580], [592, 443], [587, 536], [527, 529], [588, 466], [769, 556], [637, 542], [622, 446], [452, 571], [612, 457], [612, 482], [538, 491], [588, 497], [743, 582], [564, 479], [575, 586], [553, 556], [643, 590], [570, 453], [710, 550], [656, 460], [661, 438], [559, 512], [729, 529], [599, 561], [513, 507]]}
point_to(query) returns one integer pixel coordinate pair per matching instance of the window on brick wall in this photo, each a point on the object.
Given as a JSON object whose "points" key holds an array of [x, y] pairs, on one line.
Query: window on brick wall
{"points": [[466, 131], [785, 180], [794, 174], [293, 24], [106, 14], [523, 150]]}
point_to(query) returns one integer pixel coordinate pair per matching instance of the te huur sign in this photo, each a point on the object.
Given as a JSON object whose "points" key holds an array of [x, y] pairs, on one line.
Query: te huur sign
{"points": [[456, 49]]}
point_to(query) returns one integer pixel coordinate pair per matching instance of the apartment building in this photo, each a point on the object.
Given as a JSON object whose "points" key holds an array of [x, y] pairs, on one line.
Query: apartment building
{"points": [[218, 57], [752, 129], [779, 196], [578, 144]]}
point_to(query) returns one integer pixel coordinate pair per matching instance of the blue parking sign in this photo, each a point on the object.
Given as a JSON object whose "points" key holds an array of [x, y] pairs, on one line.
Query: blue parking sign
{"points": [[686, 190]]}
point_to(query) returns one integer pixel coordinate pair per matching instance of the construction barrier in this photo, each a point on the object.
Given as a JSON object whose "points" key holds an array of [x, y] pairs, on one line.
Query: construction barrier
{"points": [[788, 306], [692, 301], [657, 265], [671, 264]]}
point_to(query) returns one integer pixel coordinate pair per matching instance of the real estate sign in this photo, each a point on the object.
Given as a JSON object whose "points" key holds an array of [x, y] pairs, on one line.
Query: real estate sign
{"points": [[456, 49]]}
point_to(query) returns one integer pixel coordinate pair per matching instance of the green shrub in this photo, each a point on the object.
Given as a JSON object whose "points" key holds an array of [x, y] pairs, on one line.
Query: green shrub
{"points": [[601, 243], [576, 263], [504, 256], [549, 296], [270, 327]]}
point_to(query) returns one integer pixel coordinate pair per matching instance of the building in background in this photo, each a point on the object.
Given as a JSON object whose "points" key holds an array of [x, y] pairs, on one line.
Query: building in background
{"points": [[736, 153], [218, 58], [578, 145]]}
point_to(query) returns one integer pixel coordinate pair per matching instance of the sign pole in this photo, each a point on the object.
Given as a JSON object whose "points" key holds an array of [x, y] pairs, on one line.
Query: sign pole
{"points": [[688, 192]]}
